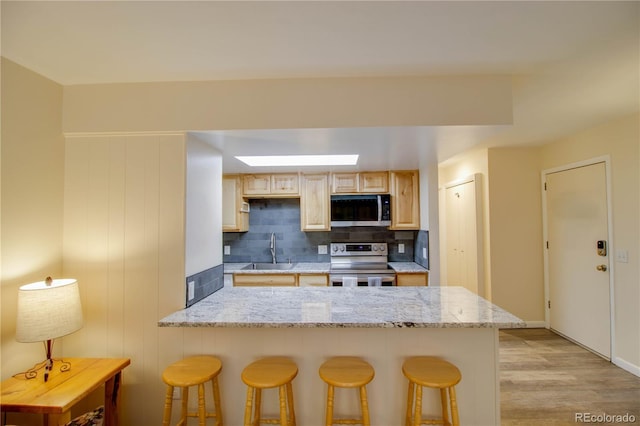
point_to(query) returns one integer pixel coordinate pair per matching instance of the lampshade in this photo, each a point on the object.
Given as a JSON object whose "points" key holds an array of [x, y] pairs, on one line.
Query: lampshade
{"points": [[48, 311]]}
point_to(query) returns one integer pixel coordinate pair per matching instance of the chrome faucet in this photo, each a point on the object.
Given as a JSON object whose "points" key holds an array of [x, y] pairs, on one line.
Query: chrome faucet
{"points": [[273, 247]]}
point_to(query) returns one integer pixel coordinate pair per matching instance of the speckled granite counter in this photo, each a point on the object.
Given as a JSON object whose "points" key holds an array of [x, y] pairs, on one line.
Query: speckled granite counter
{"points": [[335, 307], [407, 267], [382, 325], [298, 268], [316, 268]]}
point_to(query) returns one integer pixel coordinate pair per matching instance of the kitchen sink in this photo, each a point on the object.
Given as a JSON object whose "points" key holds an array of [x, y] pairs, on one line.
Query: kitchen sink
{"points": [[269, 266]]}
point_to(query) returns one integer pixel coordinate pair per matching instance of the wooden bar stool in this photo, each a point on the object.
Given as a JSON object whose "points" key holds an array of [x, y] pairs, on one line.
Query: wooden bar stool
{"points": [[347, 372], [267, 373], [433, 373], [193, 371]]}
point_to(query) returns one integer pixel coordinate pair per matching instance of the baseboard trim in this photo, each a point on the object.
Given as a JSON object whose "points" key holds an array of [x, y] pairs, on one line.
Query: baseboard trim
{"points": [[535, 324], [627, 366]]}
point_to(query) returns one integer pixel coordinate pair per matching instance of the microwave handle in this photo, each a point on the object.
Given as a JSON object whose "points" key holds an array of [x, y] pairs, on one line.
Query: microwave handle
{"points": [[379, 197]]}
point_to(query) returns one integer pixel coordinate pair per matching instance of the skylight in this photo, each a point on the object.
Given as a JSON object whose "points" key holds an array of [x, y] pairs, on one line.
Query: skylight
{"points": [[298, 160]]}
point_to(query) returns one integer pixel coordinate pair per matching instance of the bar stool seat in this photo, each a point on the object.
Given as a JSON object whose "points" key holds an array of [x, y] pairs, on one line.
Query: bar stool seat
{"points": [[193, 371], [347, 372], [434, 373], [267, 373]]}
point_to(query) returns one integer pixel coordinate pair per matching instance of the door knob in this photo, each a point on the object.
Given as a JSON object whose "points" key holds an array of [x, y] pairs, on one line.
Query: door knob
{"points": [[601, 268]]}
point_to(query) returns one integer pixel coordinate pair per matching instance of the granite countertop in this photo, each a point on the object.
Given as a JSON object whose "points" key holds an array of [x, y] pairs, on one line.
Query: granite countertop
{"points": [[315, 268], [298, 268], [338, 307], [410, 267]]}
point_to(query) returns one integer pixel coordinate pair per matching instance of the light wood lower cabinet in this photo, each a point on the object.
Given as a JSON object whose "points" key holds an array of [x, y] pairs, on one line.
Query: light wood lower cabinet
{"points": [[412, 279], [313, 280], [253, 280], [291, 280]]}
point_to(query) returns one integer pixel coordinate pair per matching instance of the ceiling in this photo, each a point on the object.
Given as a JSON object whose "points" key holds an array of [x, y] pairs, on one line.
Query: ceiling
{"points": [[573, 63]]}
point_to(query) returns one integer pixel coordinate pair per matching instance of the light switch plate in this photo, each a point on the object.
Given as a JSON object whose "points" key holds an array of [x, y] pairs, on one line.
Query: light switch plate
{"points": [[227, 250], [191, 289], [622, 256], [400, 248], [424, 252], [322, 249]]}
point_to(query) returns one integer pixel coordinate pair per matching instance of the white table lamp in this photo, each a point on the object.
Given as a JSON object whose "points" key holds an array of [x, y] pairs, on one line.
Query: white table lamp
{"points": [[47, 310]]}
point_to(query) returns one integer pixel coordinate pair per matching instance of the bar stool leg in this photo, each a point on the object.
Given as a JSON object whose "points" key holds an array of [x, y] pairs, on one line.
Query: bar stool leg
{"points": [[184, 407], [454, 406], [258, 408], [409, 416], [417, 417], [202, 415], [365, 406], [168, 402], [292, 411], [282, 394], [329, 416], [216, 400], [247, 410], [445, 406]]}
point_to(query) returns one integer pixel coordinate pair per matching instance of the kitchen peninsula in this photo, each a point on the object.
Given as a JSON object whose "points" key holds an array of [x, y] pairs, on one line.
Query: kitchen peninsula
{"points": [[383, 325]]}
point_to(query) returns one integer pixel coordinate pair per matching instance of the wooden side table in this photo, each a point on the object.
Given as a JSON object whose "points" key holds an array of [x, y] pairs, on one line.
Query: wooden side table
{"points": [[63, 390]]}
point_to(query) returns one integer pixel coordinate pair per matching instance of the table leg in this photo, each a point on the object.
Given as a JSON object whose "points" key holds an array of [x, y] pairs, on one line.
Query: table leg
{"points": [[112, 400]]}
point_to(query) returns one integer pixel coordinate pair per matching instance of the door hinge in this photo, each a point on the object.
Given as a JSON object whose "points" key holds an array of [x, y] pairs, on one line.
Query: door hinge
{"points": [[549, 304], [547, 242], [545, 186]]}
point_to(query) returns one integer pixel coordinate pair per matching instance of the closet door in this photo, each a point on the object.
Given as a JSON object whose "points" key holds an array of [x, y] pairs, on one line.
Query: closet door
{"points": [[462, 235]]}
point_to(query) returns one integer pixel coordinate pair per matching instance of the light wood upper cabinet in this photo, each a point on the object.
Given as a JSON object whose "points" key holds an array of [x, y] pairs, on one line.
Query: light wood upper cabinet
{"points": [[285, 184], [344, 183], [405, 200], [256, 184], [374, 182], [315, 202], [267, 185], [362, 182], [235, 211]]}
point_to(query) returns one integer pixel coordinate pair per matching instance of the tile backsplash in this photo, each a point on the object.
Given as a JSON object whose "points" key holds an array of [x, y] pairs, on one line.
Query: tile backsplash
{"points": [[282, 217], [204, 283]]}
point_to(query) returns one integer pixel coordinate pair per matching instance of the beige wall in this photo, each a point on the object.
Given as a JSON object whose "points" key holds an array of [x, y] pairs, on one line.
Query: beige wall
{"points": [[517, 270], [461, 167], [294, 103], [32, 198], [618, 139], [512, 198], [124, 240]]}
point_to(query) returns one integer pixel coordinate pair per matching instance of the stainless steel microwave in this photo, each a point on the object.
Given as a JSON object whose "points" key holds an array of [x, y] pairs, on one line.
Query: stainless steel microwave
{"points": [[361, 210]]}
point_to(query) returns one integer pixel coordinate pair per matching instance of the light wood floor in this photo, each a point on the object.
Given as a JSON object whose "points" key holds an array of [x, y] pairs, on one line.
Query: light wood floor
{"points": [[546, 379]]}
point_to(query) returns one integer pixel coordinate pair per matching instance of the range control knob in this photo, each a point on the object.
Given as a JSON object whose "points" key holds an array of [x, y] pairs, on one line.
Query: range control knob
{"points": [[375, 248]]}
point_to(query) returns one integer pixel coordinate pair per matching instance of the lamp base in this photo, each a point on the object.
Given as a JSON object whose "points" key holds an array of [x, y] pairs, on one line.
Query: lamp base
{"points": [[32, 373]]}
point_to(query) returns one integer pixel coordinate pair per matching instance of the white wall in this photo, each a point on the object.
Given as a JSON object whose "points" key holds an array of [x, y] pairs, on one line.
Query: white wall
{"points": [[203, 206]]}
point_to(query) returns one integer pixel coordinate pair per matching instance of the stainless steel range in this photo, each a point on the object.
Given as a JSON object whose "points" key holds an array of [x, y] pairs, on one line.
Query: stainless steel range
{"points": [[361, 264]]}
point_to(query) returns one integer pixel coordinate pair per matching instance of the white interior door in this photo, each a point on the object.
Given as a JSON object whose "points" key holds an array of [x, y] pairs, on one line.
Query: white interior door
{"points": [[577, 218], [461, 236]]}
